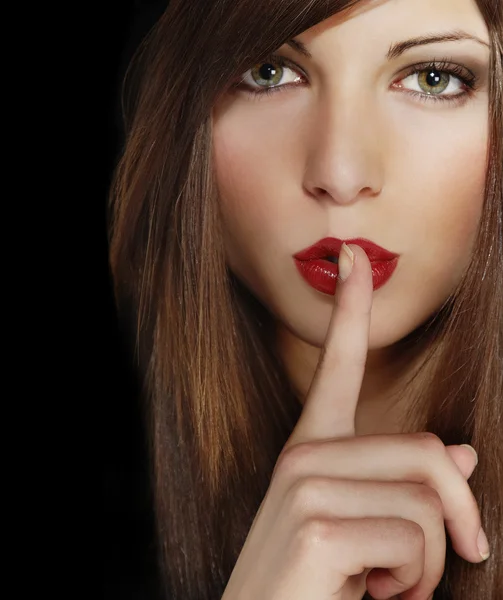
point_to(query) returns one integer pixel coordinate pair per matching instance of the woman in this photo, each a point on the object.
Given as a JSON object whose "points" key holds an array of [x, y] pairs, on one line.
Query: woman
{"points": [[288, 409]]}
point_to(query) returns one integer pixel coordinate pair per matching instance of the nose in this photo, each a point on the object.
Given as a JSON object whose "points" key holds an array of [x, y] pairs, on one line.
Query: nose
{"points": [[345, 160]]}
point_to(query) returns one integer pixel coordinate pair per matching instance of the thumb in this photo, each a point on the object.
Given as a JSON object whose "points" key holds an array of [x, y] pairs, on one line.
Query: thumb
{"points": [[465, 457]]}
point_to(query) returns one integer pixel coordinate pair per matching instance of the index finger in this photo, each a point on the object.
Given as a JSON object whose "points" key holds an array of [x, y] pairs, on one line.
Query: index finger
{"points": [[330, 406]]}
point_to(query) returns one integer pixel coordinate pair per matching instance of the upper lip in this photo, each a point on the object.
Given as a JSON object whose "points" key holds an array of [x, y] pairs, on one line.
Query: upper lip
{"points": [[331, 246]]}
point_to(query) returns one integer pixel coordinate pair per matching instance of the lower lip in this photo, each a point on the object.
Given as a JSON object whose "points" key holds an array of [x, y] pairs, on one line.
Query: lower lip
{"points": [[322, 274]]}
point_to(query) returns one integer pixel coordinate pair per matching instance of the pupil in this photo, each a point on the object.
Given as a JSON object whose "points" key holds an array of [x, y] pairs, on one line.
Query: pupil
{"points": [[267, 71], [433, 78]]}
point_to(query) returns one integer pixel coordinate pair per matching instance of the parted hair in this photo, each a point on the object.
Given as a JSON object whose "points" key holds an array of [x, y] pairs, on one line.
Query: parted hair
{"points": [[218, 404]]}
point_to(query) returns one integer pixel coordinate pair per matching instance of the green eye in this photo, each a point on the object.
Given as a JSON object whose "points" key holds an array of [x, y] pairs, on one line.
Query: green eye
{"points": [[433, 82], [267, 74]]}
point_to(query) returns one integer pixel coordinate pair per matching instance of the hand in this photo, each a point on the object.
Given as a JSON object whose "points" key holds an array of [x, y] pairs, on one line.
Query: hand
{"points": [[344, 513]]}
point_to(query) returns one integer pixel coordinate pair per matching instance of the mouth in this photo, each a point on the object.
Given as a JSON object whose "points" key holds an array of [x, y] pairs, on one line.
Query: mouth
{"points": [[332, 259], [329, 248], [319, 266]]}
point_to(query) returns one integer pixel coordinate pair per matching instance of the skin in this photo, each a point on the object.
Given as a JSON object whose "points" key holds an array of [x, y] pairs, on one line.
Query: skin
{"points": [[348, 154], [346, 513]]}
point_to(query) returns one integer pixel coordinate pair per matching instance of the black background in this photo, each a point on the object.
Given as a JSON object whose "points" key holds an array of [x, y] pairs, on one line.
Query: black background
{"points": [[130, 571]]}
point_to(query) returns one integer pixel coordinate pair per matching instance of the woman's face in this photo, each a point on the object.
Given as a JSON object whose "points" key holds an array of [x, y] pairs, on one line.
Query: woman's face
{"points": [[356, 145]]}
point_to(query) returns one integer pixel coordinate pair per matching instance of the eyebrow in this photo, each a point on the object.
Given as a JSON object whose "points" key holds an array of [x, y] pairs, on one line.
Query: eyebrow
{"points": [[432, 38], [400, 47], [299, 47]]}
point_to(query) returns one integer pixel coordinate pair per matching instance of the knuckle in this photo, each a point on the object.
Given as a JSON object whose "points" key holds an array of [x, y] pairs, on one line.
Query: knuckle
{"points": [[305, 495], [414, 535], [291, 460], [317, 531], [430, 499], [430, 443]]}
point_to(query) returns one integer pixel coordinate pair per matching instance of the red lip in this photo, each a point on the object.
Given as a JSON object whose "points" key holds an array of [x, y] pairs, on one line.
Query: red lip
{"points": [[332, 246], [322, 274]]}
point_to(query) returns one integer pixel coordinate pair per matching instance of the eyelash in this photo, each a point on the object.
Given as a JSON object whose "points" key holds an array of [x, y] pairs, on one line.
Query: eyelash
{"points": [[467, 78]]}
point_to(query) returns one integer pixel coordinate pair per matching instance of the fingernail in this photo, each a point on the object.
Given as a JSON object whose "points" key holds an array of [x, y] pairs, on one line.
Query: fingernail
{"points": [[346, 260], [474, 452], [483, 545]]}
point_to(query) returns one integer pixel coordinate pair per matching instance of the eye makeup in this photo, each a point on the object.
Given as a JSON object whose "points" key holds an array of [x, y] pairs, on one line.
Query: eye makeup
{"points": [[434, 68]]}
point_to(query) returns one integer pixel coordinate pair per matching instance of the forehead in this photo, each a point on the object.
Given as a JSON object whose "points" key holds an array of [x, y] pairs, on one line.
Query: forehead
{"points": [[400, 19]]}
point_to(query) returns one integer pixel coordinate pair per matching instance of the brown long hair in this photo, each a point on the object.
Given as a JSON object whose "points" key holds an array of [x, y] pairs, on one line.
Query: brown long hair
{"points": [[219, 403]]}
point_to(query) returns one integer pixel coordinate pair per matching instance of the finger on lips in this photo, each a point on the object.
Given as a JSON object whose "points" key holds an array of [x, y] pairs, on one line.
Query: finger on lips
{"points": [[330, 407]]}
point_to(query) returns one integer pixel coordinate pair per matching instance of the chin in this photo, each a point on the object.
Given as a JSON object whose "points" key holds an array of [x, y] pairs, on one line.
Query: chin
{"points": [[386, 330], [383, 337], [387, 327], [308, 318]]}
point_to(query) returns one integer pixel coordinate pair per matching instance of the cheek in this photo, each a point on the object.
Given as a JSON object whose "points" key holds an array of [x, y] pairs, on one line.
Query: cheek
{"points": [[454, 206], [241, 202], [444, 170], [439, 192], [438, 238], [251, 172]]}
